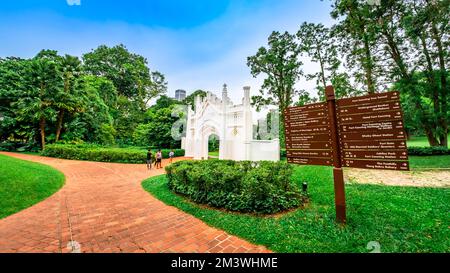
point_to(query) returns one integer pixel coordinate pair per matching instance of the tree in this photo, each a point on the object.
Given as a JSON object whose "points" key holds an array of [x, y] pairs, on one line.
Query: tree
{"points": [[95, 122], [190, 100], [12, 71], [72, 98], [128, 72], [158, 86], [280, 64], [41, 82], [392, 16], [316, 42], [426, 25], [357, 40], [132, 79], [156, 130]]}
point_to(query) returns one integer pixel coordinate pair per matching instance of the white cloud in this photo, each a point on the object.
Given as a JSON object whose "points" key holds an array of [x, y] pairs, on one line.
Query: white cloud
{"points": [[73, 2], [203, 57]]}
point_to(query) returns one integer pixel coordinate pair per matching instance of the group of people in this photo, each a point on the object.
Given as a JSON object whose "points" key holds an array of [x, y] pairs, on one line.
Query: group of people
{"points": [[158, 158]]}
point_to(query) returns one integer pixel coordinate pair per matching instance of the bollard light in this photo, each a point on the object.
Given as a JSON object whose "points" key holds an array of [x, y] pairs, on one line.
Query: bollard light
{"points": [[305, 187]]}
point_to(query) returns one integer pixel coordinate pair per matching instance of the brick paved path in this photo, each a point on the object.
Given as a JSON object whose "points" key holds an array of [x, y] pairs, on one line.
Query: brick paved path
{"points": [[104, 208]]}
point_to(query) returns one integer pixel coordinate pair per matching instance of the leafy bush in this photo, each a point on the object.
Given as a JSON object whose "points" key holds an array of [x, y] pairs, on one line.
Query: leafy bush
{"points": [[15, 146], [93, 152], [244, 186], [424, 151]]}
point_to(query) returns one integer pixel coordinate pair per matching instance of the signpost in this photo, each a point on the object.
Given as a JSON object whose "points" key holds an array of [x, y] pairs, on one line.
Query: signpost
{"points": [[361, 132]]}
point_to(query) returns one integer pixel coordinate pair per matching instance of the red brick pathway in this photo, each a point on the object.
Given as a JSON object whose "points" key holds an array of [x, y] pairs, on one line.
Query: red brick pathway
{"points": [[104, 208]]}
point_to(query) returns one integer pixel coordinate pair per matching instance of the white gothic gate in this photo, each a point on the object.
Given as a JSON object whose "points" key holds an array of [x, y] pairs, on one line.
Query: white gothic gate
{"points": [[232, 124]]}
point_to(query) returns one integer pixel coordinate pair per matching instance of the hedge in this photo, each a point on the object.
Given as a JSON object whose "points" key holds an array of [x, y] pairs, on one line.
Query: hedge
{"points": [[423, 151], [16, 146], [102, 154], [244, 186]]}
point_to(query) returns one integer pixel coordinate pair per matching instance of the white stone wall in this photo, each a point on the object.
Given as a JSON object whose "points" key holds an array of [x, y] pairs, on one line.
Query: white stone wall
{"points": [[231, 123]]}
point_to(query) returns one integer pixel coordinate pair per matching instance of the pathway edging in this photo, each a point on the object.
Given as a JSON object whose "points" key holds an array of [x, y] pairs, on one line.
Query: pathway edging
{"points": [[103, 208]]}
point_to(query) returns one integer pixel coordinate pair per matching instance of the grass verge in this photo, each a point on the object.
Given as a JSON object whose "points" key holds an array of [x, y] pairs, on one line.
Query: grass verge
{"points": [[24, 183], [400, 219], [429, 162]]}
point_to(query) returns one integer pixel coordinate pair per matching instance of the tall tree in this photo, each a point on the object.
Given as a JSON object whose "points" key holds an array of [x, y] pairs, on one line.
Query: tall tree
{"points": [[12, 71], [134, 82], [357, 40], [316, 42], [399, 32], [41, 82], [72, 98], [129, 73], [280, 65]]}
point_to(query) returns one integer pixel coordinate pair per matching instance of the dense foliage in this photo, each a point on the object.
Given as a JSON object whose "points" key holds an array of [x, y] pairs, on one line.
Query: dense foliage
{"points": [[261, 187], [103, 154], [100, 98], [373, 46], [424, 151]]}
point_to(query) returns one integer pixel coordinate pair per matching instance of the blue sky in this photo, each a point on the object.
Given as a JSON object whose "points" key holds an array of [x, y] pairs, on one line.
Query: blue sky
{"points": [[197, 44]]}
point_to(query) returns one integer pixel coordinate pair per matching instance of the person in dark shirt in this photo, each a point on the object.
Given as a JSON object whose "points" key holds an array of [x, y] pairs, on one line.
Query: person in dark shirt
{"points": [[149, 159]]}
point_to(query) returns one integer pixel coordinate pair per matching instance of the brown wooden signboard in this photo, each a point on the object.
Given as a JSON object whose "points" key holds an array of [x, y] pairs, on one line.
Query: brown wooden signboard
{"points": [[306, 115], [369, 108], [374, 98], [309, 153], [377, 164], [322, 145], [372, 126], [371, 117], [307, 130], [361, 132], [323, 121], [321, 106], [371, 136], [311, 161], [375, 155], [307, 138], [374, 145]]}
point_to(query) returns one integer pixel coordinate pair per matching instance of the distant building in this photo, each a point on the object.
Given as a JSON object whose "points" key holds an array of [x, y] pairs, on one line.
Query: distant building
{"points": [[180, 94]]}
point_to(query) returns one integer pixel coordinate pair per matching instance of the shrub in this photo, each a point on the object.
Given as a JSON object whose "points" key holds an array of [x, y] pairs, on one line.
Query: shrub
{"points": [[424, 151], [244, 186], [93, 152], [15, 146]]}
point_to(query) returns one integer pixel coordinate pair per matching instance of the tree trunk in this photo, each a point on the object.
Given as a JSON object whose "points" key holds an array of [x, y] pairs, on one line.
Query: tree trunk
{"points": [[59, 124], [443, 73], [431, 138], [42, 131], [396, 56], [368, 67]]}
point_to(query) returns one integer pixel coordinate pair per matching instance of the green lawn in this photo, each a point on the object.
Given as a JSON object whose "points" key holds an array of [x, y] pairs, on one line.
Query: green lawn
{"points": [[216, 153], [419, 141], [23, 184], [429, 162], [401, 219]]}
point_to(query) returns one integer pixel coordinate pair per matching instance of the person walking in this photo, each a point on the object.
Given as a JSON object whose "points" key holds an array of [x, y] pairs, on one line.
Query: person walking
{"points": [[149, 159], [171, 155], [159, 159]]}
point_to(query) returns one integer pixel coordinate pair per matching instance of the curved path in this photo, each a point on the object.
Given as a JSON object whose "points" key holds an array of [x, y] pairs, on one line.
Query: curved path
{"points": [[103, 208]]}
